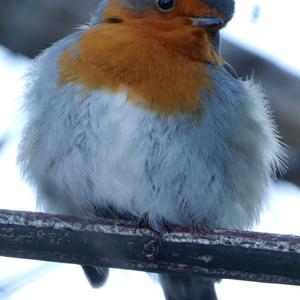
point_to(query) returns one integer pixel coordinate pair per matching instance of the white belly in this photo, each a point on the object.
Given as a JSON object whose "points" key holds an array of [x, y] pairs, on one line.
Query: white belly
{"points": [[102, 151]]}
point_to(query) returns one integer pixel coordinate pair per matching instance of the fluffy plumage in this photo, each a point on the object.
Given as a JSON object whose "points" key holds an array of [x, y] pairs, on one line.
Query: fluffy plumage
{"points": [[89, 151]]}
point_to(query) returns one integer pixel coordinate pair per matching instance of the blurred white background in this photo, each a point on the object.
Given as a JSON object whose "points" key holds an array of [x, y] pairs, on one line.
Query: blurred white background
{"points": [[269, 27]]}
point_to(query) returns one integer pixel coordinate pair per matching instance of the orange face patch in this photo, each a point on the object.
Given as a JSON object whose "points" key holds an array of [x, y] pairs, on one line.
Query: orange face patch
{"points": [[158, 62]]}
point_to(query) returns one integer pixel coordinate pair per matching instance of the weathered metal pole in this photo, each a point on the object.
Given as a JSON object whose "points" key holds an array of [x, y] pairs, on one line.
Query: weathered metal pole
{"points": [[118, 244]]}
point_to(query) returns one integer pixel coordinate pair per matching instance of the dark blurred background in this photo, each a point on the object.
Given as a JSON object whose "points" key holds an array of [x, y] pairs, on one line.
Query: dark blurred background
{"points": [[29, 26]]}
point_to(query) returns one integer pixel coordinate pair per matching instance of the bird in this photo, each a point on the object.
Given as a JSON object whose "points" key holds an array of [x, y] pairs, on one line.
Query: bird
{"points": [[137, 116]]}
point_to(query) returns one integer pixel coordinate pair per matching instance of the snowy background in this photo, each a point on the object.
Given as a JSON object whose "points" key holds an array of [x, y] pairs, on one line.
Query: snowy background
{"points": [[265, 28]]}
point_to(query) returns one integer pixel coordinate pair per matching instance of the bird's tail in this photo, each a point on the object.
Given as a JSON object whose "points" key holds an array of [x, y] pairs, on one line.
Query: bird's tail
{"points": [[187, 287], [95, 275]]}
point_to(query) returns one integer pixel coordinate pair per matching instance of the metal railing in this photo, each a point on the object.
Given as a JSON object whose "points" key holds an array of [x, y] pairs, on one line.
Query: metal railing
{"points": [[239, 255]]}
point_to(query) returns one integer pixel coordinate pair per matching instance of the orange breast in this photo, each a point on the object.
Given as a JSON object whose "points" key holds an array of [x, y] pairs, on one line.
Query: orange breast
{"points": [[155, 73]]}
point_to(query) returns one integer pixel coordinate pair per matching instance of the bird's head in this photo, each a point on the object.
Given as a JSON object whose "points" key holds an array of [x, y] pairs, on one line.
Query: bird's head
{"points": [[191, 26], [155, 50]]}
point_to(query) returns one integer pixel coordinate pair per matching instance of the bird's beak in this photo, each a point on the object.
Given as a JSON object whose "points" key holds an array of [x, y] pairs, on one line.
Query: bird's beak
{"points": [[209, 22]]}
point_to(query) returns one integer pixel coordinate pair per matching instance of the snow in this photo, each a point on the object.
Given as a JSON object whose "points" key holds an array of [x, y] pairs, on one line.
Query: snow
{"points": [[261, 31], [270, 28], [15, 194]]}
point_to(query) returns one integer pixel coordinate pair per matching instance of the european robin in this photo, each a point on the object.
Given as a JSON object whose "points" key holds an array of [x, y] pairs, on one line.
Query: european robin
{"points": [[137, 116]]}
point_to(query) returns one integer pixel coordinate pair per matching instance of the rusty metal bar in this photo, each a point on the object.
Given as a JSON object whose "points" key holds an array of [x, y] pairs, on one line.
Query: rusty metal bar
{"points": [[118, 244]]}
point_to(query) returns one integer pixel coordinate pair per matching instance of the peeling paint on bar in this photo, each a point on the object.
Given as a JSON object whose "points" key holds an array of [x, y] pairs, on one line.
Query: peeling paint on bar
{"points": [[58, 222], [236, 241]]}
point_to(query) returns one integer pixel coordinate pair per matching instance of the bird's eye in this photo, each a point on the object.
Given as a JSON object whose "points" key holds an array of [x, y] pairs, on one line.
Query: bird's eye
{"points": [[165, 5]]}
